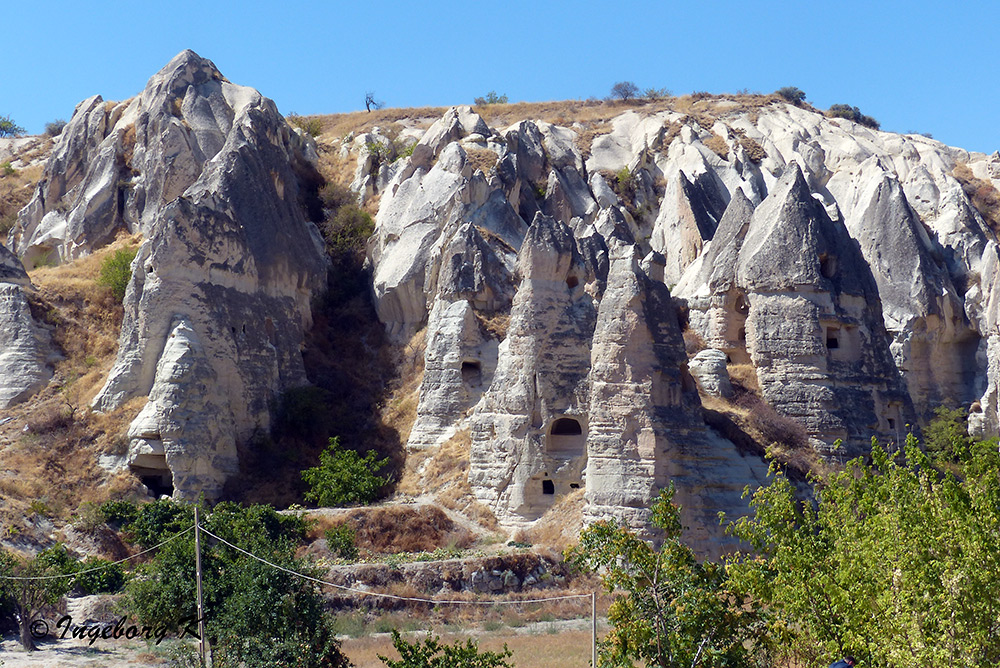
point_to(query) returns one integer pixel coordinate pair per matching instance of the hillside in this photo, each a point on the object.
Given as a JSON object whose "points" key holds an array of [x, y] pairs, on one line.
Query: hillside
{"points": [[540, 312]]}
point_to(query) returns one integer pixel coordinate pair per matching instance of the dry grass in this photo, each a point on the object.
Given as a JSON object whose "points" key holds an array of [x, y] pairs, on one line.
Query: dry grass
{"points": [[559, 528], [49, 456], [546, 647], [718, 145], [15, 192], [340, 125], [86, 319], [755, 427], [755, 151], [400, 409], [982, 194], [693, 343], [396, 529], [495, 324], [745, 376], [585, 138], [443, 473], [482, 159]]}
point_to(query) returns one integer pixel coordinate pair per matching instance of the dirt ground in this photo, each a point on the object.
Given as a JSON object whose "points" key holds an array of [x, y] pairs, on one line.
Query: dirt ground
{"points": [[556, 644]]}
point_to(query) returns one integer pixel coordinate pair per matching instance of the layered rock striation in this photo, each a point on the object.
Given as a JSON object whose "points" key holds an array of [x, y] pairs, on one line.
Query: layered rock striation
{"points": [[219, 186], [846, 266], [25, 348]]}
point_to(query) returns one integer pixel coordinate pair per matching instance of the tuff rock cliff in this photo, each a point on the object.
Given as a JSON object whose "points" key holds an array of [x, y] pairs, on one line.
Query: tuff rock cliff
{"points": [[24, 346], [845, 264], [584, 287], [216, 182]]}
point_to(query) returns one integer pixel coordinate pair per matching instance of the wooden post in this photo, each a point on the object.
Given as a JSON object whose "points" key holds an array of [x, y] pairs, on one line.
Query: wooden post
{"points": [[593, 629], [197, 567]]}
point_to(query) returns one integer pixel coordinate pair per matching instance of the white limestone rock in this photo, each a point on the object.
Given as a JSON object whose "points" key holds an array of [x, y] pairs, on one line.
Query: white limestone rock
{"points": [[814, 325], [25, 347], [116, 165], [529, 429], [222, 284], [708, 367]]}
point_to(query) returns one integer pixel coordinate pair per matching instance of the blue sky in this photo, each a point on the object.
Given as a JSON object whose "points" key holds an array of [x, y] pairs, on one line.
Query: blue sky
{"points": [[915, 66]]}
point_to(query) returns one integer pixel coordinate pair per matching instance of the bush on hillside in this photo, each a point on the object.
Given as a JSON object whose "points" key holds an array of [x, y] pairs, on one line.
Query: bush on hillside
{"points": [[8, 128], [624, 90], [491, 98], [852, 114], [792, 94], [116, 272], [344, 478]]}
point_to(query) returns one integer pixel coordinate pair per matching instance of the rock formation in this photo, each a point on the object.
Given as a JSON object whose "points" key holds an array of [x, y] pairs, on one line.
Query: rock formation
{"points": [[24, 346], [529, 429], [220, 292], [844, 264], [814, 328]]}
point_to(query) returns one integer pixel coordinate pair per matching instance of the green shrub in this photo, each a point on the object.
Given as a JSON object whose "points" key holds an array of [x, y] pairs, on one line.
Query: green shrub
{"points": [[311, 126], [947, 435], [7, 169], [792, 94], [341, 541], [852, 114], [344, 478], [156, 521], [491, 98], [654, 94], [120, 511], [116, 271], [432, 653], [108, 579], [348, 229], [334, 195], [8, 128], [256, 615], [54, 128]]}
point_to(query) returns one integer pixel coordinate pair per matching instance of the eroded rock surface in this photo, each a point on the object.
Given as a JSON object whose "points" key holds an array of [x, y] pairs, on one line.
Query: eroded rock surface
{"points": [[25, 348], [220, 292], [844, 264]]}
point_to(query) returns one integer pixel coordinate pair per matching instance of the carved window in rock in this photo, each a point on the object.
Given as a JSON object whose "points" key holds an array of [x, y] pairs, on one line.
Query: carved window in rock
{"points": [[566, 438], [152, 470], [472, 372], [828, 265], [833, 338], [843, 342], [548, 487]]}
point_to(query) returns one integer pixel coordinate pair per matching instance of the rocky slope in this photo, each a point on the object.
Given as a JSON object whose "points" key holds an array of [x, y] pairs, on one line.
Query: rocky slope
{"points": [[584, 287], [217, 183], [846, 265]]}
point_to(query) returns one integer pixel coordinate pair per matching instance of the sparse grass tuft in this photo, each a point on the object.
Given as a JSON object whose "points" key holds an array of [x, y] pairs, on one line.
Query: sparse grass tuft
{"points": [[482, 159], [718, 145], [982, 194]]}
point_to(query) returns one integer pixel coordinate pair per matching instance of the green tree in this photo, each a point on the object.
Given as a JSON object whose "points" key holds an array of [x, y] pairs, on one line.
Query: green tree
{"points": [[624, 90], [8, 128], [792, 94], [432, 653], [344, 477], [116, 271], [670, 610], [490, 98], [947, 436], [256, 615], [894, 561], [23, 597]]}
